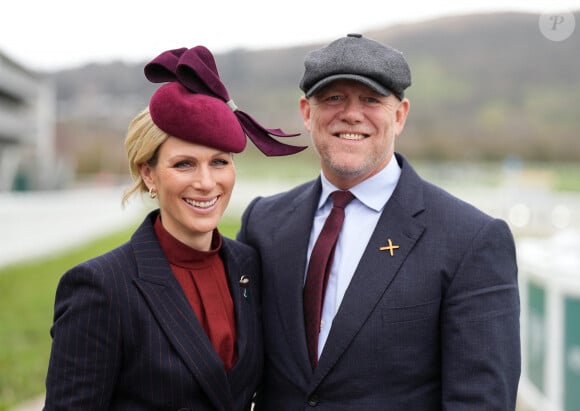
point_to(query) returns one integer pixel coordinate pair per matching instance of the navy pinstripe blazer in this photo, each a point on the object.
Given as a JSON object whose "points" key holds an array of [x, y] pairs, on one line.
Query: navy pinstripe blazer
{"points": [[435, 326], [126, 338]]}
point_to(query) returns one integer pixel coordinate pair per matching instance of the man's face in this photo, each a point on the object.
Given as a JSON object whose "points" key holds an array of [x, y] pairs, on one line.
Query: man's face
{"points": [[353, 129]]}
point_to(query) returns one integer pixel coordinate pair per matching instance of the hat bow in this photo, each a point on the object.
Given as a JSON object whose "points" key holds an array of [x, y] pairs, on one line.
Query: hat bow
{"points": [[196, 70]]}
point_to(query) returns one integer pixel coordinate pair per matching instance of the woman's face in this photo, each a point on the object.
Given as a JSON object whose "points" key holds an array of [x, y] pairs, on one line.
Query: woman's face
{"points": [[194, 184]]}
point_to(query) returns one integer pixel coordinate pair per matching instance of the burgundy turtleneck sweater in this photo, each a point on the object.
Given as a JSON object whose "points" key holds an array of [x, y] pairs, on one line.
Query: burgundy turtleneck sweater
{"points": [[203, 280]]}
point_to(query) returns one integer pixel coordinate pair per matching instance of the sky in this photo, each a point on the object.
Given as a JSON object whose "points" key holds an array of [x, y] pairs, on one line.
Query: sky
{"points": [[58, 34]]}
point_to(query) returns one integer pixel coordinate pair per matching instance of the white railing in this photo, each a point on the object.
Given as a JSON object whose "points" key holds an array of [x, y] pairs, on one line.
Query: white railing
{"points": [[550, 319]]}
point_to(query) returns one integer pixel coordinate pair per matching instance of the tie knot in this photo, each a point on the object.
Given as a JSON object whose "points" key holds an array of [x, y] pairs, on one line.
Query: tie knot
{"points": [[341, 198]]}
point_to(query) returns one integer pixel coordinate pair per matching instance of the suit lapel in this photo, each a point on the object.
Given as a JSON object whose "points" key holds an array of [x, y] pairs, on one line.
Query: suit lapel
{"points": [[377, 268], [293, 238], [176, 318]]}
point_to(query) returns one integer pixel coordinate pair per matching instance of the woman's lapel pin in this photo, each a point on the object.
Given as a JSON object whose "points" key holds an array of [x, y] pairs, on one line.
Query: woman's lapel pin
{"points": [[244, 283]]}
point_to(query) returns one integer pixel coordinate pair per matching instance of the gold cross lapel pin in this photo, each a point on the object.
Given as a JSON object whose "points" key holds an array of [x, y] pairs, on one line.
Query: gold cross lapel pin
{"points": [[390, 248]]}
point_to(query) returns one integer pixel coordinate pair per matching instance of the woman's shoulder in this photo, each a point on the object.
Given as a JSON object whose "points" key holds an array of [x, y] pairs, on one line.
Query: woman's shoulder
{"points": [[115, 260], [238, 248]]}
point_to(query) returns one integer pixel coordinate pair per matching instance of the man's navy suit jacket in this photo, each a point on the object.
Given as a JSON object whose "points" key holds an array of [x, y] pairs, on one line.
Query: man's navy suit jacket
{"points": [[433, 327], [126, 338]]}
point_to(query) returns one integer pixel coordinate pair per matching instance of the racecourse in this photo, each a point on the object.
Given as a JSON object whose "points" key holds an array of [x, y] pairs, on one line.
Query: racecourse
{"points": [[546, 225]]}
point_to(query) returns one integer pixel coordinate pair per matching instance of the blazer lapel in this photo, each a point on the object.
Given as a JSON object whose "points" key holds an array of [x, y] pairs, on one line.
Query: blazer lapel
{"points": [[233, 276], [170, 307], [243, 305], [378, 266]]}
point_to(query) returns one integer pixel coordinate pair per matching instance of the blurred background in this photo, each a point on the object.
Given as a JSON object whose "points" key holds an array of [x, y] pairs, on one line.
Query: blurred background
{"points": [[494, 119]]}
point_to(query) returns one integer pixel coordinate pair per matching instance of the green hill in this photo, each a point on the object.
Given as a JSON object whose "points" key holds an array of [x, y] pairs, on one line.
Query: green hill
{"points": [[484, 87]]}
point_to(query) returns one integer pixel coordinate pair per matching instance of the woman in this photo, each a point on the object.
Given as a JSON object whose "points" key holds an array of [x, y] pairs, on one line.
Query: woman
{"points": [[170, 320]]}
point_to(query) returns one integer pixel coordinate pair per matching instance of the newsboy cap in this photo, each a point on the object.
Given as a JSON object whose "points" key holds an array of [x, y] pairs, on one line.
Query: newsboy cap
{"points": [[354, 57]]}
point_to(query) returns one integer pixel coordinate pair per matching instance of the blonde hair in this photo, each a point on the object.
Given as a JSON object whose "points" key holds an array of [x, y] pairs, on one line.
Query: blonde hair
{"points": [[141, 145]]}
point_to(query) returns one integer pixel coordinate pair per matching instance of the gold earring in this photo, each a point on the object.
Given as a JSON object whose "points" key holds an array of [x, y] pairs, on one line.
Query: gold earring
{"points": [[152, 192]]}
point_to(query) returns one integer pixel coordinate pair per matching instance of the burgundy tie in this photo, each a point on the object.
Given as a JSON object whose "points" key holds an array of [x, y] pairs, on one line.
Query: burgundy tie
{"points": [[318, 270]]}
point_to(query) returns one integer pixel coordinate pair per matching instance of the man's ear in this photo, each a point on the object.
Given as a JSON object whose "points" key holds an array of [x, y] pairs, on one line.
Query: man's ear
{"points": [[401, 115], [305, 111]]}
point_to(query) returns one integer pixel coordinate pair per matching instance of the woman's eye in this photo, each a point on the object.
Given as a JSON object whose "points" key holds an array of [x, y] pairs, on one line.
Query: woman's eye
{"points": [[182, 164], [220, 162]]}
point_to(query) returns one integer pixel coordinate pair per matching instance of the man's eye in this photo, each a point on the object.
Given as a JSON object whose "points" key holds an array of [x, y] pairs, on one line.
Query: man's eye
{"points": [[372, 100], [333, 99]]}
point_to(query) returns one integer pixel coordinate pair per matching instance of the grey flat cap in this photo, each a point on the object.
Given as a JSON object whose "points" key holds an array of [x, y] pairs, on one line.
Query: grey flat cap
{"points": [[354, 57]]}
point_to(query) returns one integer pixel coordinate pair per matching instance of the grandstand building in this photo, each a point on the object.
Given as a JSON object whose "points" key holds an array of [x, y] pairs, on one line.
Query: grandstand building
{"points": [[27, 129]]}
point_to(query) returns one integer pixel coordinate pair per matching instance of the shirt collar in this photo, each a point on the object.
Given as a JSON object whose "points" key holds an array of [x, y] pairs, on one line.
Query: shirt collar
{"points": [[181, 254], [374, 192]]}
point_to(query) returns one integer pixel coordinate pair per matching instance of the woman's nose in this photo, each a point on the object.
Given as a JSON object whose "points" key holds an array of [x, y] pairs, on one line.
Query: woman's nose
{"points": [[204, 179]]}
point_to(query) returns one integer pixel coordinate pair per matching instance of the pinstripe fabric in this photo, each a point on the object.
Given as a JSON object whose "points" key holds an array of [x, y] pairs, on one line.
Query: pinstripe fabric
{"points": [[125, 337]]}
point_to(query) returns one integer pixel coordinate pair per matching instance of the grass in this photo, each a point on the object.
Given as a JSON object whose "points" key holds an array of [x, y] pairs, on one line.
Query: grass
{"points": [[26, 308], [27, 289]]}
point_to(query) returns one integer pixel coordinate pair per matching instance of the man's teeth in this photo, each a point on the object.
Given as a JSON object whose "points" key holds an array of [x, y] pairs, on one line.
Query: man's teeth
{"points": [[351, 136], [201, 204]]}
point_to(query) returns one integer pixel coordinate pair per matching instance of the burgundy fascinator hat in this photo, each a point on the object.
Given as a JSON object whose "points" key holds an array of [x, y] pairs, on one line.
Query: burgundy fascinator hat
{"points": [[195, 105]]}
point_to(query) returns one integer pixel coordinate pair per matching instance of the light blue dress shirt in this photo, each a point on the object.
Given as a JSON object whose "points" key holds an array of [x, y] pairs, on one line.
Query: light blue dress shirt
{"points": [[361, 217]]}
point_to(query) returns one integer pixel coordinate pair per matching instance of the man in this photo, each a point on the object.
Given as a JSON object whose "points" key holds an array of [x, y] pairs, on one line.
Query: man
{"points": [[421, 308]]}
